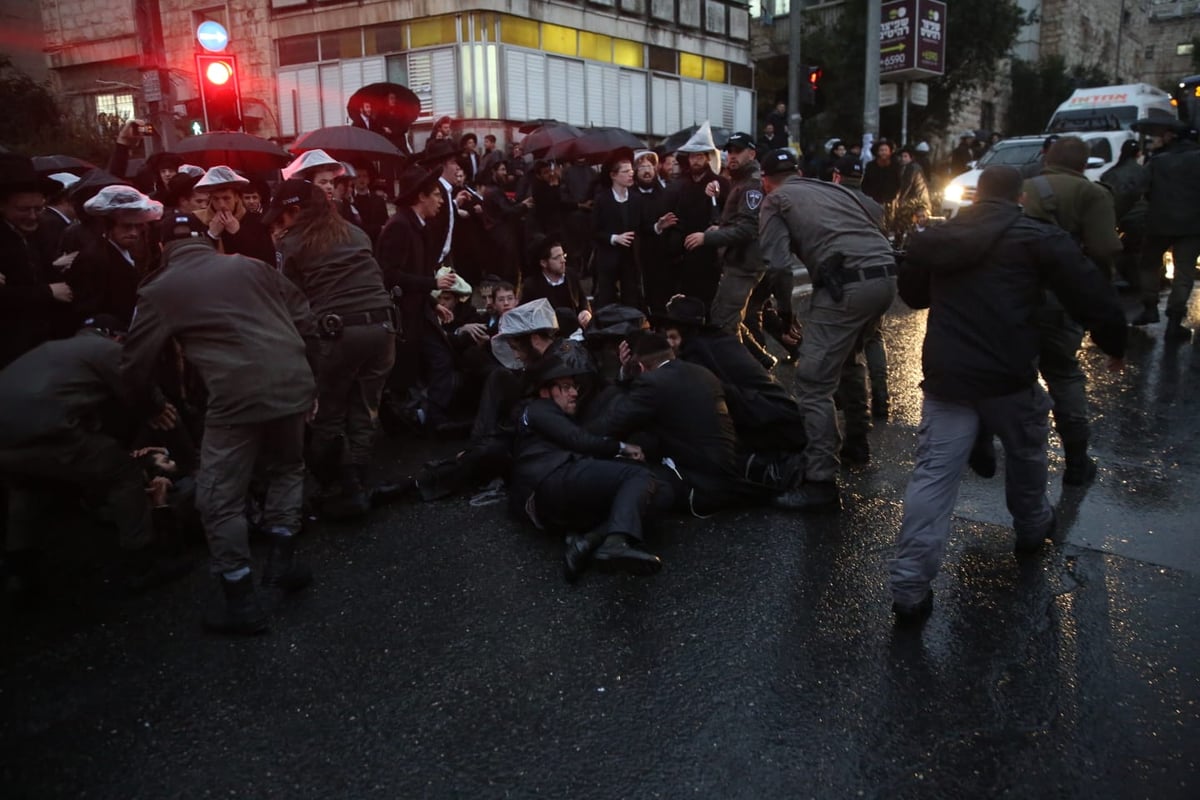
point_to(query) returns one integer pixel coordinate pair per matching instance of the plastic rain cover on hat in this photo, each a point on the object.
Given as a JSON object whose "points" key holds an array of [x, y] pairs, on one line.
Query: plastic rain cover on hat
{"points": [[115, 199], [702, 142], [310, 161], [536, 315], [221, 177], [460, 287]]}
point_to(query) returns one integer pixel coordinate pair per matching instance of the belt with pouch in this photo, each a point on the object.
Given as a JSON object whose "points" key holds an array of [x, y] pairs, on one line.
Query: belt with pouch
{"points": [[867, 273], [331, 325]]}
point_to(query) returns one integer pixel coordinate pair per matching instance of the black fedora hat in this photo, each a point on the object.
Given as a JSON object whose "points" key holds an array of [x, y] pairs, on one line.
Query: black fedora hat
{"points": [[413, 180], [18, 175], [436, 152], [689, 311]]}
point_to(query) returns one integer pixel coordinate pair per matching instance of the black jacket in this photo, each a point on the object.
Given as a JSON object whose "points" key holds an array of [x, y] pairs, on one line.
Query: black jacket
{"points": [[27, 307], [104, 282], [982, 276], [755, 398], [409, 260], [609, 218], [1173, 189], [684, 405], [568, 294], [546, 439]]}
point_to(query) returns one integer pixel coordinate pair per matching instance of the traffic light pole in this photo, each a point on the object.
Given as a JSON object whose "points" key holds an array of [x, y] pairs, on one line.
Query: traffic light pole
{"points": [[794, 76]]}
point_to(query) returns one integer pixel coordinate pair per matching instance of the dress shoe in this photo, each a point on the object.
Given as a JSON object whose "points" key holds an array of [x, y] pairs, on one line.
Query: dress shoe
{"points": [[813, 496], [912, 616], [1149, 316], [1029, 545], [576, 557], [619, 554], [384, 493]]}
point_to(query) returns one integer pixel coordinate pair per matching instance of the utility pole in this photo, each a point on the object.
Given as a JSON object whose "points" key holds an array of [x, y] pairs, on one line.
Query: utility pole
{"points": [[156, 80], [871, 85], [793, 102]]}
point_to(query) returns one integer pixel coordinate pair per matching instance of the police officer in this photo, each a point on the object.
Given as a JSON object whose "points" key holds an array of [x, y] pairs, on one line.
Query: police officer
{"points": [[736, 233], [331, 261], [250, 333], [1172, 223], [1063, 195], [839, 240]]}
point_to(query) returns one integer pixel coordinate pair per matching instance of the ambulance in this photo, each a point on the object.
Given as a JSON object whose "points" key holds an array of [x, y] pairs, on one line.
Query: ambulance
{"points": [[1109, 108]]}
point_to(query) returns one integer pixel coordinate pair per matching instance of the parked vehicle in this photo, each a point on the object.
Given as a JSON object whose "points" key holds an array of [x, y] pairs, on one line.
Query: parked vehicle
{"points": [[1109, 108]]}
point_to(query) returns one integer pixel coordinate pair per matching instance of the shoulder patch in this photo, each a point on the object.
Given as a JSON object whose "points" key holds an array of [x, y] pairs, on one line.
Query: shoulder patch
{"points": [[754, 199]]}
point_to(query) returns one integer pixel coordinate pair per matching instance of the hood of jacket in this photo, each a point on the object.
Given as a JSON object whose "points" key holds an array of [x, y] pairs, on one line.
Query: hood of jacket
{"points": [[964, 241]]}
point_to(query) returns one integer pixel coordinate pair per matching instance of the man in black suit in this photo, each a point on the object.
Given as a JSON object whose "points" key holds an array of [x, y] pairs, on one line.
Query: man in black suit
{"points": [[468, 157], [441, 156], [616, 222], [685, 406], [371, 207], [567, 479], [56, 216], [408, 261], [557, 284]]}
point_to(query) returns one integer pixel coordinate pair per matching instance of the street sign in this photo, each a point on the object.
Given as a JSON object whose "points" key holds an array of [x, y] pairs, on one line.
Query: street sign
{"points": [[918, 94], [912, 39], [151, 88], [889, 94], [212, 36]]}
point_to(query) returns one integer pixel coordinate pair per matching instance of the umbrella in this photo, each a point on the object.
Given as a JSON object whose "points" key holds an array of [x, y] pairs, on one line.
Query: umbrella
{"points": [[534, 124], [347, 143], [93, 182], [238, 150], [541, 139], [680, 138], [45, 165], [399, 117], [597, 144]]}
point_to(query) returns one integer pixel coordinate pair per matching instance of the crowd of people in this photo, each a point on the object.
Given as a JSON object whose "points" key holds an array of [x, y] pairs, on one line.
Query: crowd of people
{"points": [[212, 353]]}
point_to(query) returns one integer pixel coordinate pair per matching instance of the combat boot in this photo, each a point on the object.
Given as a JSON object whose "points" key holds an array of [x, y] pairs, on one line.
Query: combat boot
{"points": [[241, 612], [1080, 468], [856, 451], [282, 571], [346, 500], [1175, 331], [814, 496], [1149, 316]]}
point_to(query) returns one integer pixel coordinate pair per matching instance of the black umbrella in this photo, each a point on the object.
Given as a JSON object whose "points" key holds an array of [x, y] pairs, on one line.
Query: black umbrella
{"points": [[347, 143], [238, 150], [46, 165], [597, 145], [679, 138], [534, 124], [398, 116], [91, 183], [542, 139]]}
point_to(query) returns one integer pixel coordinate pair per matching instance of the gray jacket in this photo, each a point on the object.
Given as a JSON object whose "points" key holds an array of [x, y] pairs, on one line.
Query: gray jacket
{"points": [[737, 229], [1173, 189], [247, 329], [815, 221]]}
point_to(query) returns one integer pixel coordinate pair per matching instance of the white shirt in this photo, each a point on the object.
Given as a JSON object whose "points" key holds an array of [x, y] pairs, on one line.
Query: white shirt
{"points": [[453, 213]]}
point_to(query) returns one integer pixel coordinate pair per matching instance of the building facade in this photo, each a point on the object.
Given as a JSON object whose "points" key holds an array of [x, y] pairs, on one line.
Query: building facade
{"points": [[649, 66]]}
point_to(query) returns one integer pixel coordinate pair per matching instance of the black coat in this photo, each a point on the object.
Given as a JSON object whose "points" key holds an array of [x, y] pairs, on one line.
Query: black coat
{"points": [[104, 282], [546, 439], [610, 217], [409, 261], [438, 228], [253, 239], [27, 307], [568, 294], [755, 398], [982, 276], [685, 406], [373, 210]]}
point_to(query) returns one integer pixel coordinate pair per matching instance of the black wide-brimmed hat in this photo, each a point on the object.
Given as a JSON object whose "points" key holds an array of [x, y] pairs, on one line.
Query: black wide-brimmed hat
{"points": [[18, 175], [413, 180], [682, 311]]}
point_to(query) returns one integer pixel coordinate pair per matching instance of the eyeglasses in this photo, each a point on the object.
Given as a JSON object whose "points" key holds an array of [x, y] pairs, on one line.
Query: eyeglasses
{"points": [[566, 386], [559, 257]]}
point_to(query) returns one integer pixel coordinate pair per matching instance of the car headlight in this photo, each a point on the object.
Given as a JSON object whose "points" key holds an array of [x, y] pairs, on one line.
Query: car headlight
{"points": [[953, 193]]}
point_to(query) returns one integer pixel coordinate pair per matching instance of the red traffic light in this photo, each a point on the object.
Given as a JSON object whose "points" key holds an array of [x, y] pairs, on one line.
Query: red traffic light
{"points": [[218, 72], [814, 76]]}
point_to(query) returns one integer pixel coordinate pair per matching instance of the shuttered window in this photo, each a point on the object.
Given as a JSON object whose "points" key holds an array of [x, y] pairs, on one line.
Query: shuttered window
{"points": [[524, 84], [433, 77], [632, 96]]}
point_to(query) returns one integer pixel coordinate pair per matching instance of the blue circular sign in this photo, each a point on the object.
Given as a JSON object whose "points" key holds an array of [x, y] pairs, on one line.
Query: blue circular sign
{"points": [[212, 36]]}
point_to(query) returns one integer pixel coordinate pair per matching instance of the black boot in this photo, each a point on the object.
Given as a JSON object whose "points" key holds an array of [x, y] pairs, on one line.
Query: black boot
{"points": [[856, 451], [621, 553], [880, 405], [1148, 316], [814, 496], [281, 570], [241, 612], [760, 353], [576, 555], [347, 500], [1080, 468], [1175, 331]]}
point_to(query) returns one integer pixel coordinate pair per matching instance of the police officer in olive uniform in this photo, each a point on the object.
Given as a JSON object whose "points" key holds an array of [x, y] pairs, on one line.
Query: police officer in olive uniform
{"points": [[1063, 195], [331, 261], [250, 334], [838, 237], [736, 234]]}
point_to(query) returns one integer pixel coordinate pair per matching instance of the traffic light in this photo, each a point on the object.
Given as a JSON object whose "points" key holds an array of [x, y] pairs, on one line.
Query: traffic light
{"points": [[810, 84], [219, 94]]}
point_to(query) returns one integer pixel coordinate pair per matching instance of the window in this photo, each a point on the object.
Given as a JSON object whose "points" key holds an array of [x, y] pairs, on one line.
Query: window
{"points": [[595, 46], [435, 30], [557, 39], [1185, 49], [1150, 52], [385, 39], [520, 32], [691, 65], [298, 50], [115, 106], [628, 54], [662, 59], [714, 70]]}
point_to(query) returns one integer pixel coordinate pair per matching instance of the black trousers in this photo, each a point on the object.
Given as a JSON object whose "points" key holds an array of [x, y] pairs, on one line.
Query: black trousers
{"points": [[588, 493]]}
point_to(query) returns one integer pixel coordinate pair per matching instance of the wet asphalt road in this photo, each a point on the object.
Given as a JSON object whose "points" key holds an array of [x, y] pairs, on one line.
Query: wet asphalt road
{"points": [[441, 655]]}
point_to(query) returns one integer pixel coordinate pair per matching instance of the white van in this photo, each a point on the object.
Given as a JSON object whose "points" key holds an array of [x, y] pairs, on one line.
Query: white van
{"points": [[1109, 108]]}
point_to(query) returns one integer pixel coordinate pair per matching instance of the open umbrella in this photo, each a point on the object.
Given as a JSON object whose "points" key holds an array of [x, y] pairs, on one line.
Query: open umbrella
{"points": [[347, 143], [541, 139], [597, 145], [238, 150], [399, 115], [91, 183], [534, 124], [679, 138], [45, 165]]}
